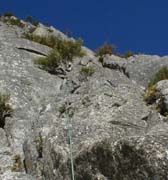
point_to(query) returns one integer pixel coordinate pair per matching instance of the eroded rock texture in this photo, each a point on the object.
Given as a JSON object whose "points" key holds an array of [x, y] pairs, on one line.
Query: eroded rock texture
{"points": [[115, 135]]}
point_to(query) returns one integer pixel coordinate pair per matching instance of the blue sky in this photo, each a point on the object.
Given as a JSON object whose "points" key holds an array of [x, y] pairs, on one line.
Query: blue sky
{"points": [[137, 25]]}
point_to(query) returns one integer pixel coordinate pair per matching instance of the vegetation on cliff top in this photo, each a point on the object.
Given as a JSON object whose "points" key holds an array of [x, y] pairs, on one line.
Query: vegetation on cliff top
{"points": [[162, 74], [63, 52], [109, 49], [152, 94]]}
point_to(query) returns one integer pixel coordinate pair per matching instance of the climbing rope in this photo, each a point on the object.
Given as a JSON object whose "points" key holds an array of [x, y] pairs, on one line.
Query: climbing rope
{"points": [[69, 130]]}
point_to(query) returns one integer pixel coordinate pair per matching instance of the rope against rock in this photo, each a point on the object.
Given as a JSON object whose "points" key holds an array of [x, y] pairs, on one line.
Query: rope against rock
{"points": [[69, 114]]}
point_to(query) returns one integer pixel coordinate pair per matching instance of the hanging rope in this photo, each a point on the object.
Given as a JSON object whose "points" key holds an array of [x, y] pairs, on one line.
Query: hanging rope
{"points": [[69, 114]]}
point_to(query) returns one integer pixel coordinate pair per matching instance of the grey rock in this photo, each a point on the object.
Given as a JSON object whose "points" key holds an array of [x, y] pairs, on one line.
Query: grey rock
{"points": [[31, 47], [115, 63], [42, 30], [16, 176], [140, 68], [133, 158]]}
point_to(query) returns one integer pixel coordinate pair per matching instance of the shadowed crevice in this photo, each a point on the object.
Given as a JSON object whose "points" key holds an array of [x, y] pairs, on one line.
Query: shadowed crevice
{"points": [[32, 51]]}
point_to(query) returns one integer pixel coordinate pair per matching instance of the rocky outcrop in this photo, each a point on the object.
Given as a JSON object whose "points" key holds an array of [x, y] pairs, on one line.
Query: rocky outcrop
{"points": [[42, 30], [139, 68], [114, 134], [161, 97]]}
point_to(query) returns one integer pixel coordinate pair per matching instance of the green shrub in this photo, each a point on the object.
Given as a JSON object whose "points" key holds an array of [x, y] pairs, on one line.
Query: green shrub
{"points": [[39, 145], [105, 49], [18, 164], [5, 109], [153, 97], [86, 101], [70, 49], [151, 94], [8, 14], [15, 22], [125, 55], [162, 74], [62, 109], [12, 20], [128, 54], [67, 48], [100, 59], [51, 62], [68, 33], [64, 51], [31, 20], [48, 41], [46, 24], [87, 71]]}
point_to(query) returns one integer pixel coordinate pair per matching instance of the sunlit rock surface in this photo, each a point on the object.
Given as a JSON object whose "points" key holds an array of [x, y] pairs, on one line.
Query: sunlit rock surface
{"points": [[115, 135]]}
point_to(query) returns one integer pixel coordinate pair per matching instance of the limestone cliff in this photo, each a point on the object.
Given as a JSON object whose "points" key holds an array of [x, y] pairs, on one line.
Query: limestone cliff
{"points": [[115, 135]]}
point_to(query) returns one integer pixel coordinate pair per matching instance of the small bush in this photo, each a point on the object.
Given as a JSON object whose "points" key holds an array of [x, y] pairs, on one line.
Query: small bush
{"points": [[64, 51], [68, 33], [67, 48], [31, 20], [46, 24], [62, 109], [70, 49], [162, 74], [39, 145], [48, 41], [15, 22], [161, 106], [86, 101], [105, 49], [126, 54], [87, 71], [12, 20], [154, 97], [8, 14], [100, 59], [5, 109], [151, 95], [18, 165], [51, 62]]}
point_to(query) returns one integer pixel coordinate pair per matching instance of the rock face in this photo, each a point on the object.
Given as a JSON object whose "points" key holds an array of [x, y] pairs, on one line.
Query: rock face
{"points": [[161, 96], [112, 133], [140, 68]]}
